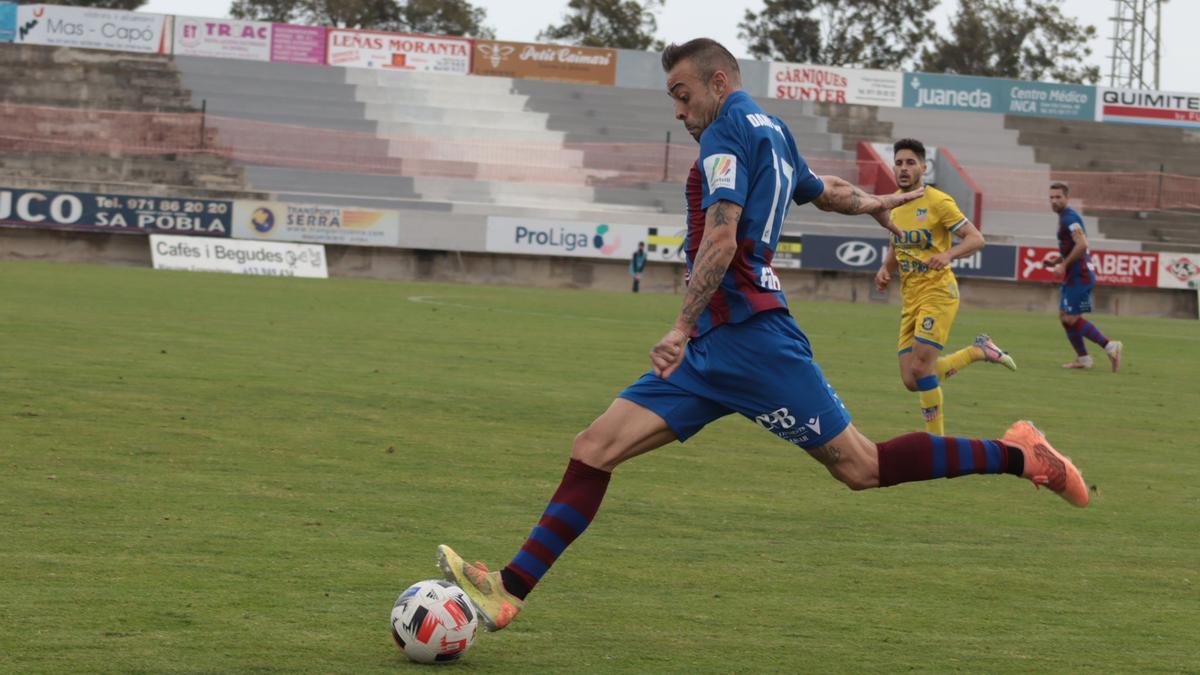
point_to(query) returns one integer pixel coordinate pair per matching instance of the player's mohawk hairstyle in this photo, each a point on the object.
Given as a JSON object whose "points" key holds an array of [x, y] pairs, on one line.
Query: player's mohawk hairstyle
{"points": [[1059, 185], [708, 55]]}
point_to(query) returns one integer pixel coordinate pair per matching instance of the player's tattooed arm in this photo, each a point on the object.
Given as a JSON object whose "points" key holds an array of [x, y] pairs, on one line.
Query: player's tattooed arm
{"points": [[842, 196], [827, 454], [712, 260], [716, 250]]}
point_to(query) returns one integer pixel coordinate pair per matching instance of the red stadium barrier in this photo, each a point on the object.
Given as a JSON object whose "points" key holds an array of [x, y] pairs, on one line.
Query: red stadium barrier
{"points": [[74, 130]]}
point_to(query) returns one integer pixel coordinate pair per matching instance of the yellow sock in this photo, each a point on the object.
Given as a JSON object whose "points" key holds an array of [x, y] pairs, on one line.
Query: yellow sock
{"points": [[949, 365], [929, 393]]}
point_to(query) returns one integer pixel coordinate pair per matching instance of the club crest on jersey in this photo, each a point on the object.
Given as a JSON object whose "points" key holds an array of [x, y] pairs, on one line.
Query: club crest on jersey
{"points": [[927, 323], [721, 172], [922, 214]]}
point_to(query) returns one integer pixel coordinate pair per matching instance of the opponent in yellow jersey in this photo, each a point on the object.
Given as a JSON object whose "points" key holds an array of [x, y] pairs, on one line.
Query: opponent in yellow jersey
{"points": [[922, 253]]}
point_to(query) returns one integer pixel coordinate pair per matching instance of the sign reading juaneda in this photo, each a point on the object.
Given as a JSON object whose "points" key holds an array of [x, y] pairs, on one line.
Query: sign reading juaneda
{"points": [[589, 65]]}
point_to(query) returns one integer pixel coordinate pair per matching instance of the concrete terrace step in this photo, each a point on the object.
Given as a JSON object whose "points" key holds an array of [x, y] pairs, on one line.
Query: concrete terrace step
{"points": [[313, 75], [236, 105], [430, 82], [502, 137], [203, 84], [440, 98], [652, 113], [517, 162], [355, 125], [404, 112], [297, 180], [128, 170], [155, 189]]}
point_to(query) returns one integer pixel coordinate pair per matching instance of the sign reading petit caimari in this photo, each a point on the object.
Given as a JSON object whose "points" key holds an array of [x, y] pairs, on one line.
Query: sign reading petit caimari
{"points": [[588, 65]]}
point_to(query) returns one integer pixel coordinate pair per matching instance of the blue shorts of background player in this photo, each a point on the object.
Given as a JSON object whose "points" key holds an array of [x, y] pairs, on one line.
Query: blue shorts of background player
{"points": [[1075, 298], [763, 369]]}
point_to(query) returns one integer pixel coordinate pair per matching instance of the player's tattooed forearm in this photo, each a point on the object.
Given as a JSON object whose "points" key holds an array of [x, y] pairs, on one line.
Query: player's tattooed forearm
{"points": [[721, 214], [855, 201], [826, 454], [706, 277]]}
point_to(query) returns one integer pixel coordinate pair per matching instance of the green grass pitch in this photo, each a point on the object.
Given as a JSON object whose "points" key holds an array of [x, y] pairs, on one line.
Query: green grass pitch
{"points": [[205, 473]]}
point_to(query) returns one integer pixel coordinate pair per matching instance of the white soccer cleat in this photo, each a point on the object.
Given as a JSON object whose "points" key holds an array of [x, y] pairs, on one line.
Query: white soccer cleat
{"points": [[1080, 363], [993, 353], [1113, 349]]}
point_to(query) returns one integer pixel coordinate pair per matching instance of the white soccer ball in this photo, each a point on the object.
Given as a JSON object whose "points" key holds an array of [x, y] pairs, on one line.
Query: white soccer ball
{"points": [[434, 622]]}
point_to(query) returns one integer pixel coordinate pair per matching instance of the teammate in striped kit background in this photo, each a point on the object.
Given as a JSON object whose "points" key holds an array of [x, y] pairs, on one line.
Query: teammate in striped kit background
{"points": [[1075, 295]]}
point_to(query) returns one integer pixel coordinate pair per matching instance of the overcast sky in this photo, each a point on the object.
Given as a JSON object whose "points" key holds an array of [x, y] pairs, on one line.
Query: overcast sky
{"points": [[681, 20]]}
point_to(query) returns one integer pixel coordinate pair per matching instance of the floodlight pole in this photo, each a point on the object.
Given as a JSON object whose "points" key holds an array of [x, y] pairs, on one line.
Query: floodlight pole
{"points": [[1136, 44]]}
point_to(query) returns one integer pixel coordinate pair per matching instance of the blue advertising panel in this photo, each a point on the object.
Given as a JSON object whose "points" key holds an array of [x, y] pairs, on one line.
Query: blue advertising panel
{"points": [[8, 21], [90, 212], [866, 254], [986, 94]]}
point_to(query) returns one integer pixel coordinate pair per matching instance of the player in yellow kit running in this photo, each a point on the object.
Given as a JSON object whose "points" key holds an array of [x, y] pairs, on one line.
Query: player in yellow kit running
{"points": [[922, 254]]}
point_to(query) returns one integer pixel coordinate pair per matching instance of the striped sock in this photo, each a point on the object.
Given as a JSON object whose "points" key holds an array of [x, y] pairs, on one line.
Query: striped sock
{"points": [[1076, 338], [568, 514], [920, 456], [1088, 330]]}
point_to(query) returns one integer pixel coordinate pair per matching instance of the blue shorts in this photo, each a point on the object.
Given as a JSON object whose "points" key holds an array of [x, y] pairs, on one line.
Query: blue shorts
{"points": [[762, 368], [1075, 299]]}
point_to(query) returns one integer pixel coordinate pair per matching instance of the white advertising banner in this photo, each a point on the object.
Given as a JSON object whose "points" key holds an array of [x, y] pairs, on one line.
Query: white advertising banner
{"points": [[826, 84], [234, 256], [1179, 270], [315, 223], [396, 51], [93, 28], [223, 38], [1138, 106], [534, 236]]}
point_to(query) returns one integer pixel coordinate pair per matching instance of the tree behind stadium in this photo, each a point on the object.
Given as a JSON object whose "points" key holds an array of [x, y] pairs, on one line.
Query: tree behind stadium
{"points": [[1029, 40], [438, 17], [620, 24], [884, 34]]}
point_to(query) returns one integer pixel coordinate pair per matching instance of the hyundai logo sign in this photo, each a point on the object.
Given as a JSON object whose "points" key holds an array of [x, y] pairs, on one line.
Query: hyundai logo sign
{"points": [[856, 253]]}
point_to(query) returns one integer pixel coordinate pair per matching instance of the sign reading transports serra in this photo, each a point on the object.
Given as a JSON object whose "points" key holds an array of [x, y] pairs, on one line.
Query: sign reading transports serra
{"points": [[588, 65], [314, 223]]}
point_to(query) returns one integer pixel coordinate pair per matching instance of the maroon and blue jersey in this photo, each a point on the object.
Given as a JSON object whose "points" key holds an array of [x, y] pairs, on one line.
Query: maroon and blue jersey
{"points": [[1080, 272], [749, 158]]}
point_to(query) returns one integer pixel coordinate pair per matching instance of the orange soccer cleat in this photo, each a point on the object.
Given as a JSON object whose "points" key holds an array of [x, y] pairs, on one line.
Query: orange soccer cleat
{"points": [[1046, 466], [496, 606]]}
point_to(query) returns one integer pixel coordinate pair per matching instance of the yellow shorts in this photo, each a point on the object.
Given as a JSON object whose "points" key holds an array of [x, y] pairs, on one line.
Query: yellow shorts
{"points": [[928, 315]]}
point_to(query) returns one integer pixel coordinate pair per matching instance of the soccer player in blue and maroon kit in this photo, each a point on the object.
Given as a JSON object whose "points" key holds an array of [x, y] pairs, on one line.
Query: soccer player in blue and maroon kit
{"points": [[735, 348], [1075, 296]]}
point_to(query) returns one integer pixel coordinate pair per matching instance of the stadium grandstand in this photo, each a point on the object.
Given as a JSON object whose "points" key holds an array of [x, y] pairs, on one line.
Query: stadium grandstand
{"points": [[451, 152]]}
